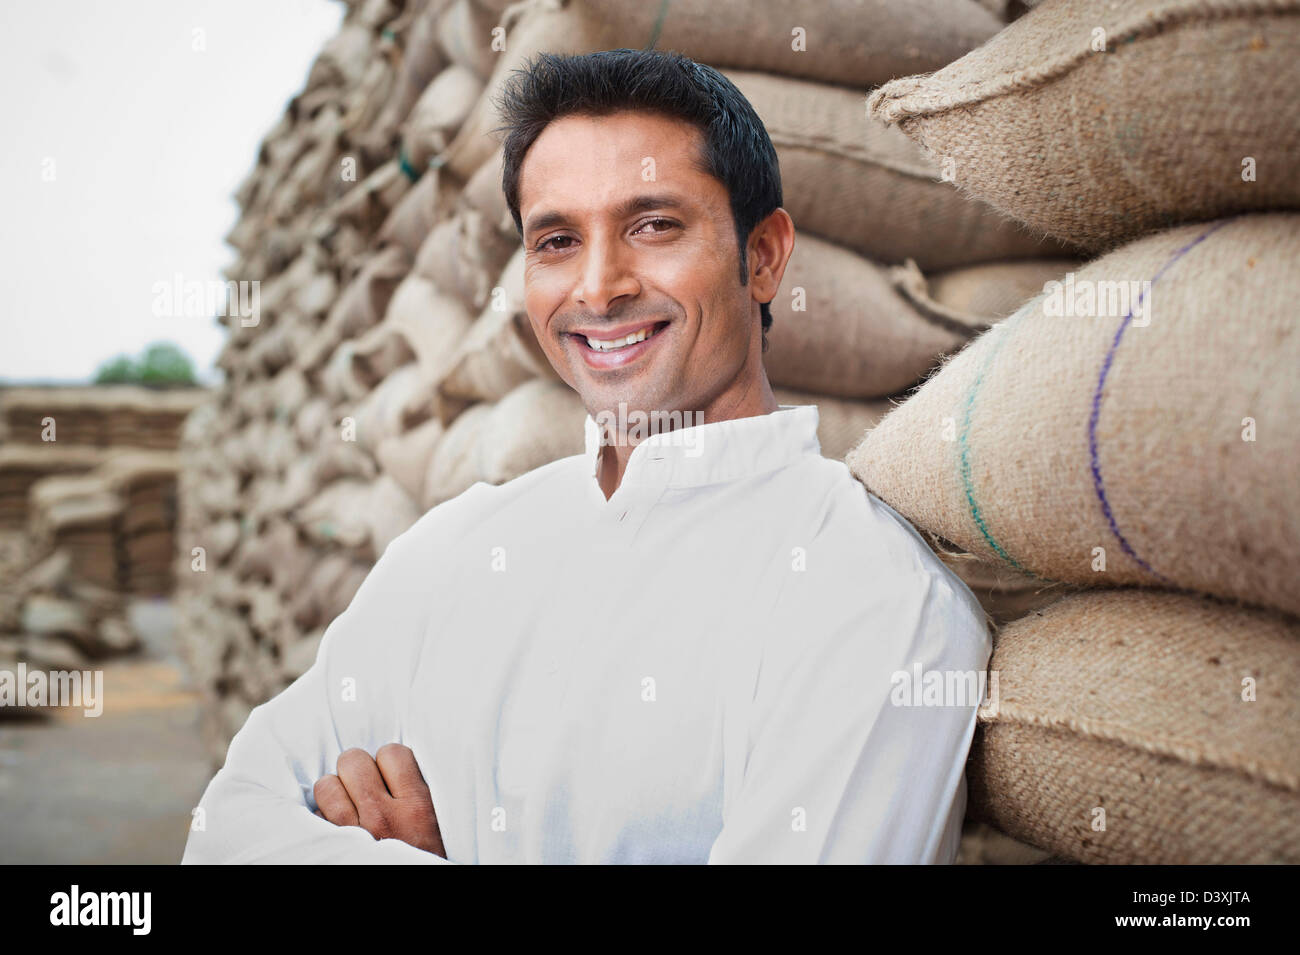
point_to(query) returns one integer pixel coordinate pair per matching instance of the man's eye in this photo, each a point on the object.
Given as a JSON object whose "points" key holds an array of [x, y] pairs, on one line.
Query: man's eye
{"points": [[666, 223], [542, 246]]}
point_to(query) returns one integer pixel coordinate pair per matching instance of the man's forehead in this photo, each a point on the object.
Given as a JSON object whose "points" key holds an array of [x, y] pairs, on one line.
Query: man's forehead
{"points": [[583, 160]]}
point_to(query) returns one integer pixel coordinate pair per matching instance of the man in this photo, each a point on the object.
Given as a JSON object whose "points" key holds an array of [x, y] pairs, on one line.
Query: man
{"points": [[681, 646]]}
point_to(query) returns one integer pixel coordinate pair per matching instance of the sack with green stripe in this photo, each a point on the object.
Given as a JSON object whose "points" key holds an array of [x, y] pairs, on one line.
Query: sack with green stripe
{"points": [[1137, 423]]}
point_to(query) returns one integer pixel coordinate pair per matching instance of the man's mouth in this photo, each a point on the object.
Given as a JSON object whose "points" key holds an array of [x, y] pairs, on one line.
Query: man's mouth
{"points": [[616, 346], [607, 342]]}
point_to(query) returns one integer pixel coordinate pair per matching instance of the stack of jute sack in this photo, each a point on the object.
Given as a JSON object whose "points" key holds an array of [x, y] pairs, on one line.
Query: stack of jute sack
{"points": [[104, 416], [22, 465], [90, 521], [1132, 432], [116, 522], [391, 363], [63, 620]]}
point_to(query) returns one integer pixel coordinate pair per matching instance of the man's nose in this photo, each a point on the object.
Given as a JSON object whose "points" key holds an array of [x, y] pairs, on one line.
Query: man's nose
{"points": [[606, 275]]}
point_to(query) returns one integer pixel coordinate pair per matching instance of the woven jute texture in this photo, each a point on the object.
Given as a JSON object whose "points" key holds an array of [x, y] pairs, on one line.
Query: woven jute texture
{"points": [[1172, 721], [1097, 147], [500, 351], [995, 289], [1154, 447], [846, 42], [850, 178], [841, 327]]}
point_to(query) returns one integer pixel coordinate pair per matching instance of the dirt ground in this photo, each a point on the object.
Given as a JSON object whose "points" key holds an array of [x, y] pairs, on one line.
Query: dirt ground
{"points": [[117, 788]]}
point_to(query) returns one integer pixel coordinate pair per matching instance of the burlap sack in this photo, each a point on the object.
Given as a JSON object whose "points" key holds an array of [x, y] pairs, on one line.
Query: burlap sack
{"points": [[220, 539], [359, 517], [362, 304], [438, 113], [330, 587], [1176, 717], [327, 459], [1005, 593], [342, 61], [422, 60], [381, 414], [1159, 448], [537, 423], [368, 122], [853, 335], [338, 380], [289, 391], [362, 209], [431, 322], [405, 457], [453, 466], [993, 290], [376, 355], [484, 194], [311, 420], [839, 42], [841, 423], [500, 351], [390, 512], [1097, 147], [277, 344], [463, 256], [464, 36], [428, 202], [851, 179]]}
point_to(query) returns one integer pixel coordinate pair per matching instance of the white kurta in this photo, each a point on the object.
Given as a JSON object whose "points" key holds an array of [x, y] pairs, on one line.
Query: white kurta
{"points": [[701, 669]]}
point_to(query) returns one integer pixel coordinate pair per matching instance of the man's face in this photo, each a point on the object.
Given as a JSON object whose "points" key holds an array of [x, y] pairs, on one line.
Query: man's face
{"points": [[624, 235]]}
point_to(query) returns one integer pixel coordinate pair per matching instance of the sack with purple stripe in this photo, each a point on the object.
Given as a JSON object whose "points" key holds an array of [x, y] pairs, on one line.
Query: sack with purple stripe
{"points": [[1137, 423]]}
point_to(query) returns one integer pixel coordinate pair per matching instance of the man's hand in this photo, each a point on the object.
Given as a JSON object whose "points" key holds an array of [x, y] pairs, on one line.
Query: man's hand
{"points": [[386, 796]]}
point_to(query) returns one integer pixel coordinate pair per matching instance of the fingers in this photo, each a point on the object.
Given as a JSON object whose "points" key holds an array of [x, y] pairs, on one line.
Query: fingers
{"points": [[365, 786], [400, 771], [334, 803]]}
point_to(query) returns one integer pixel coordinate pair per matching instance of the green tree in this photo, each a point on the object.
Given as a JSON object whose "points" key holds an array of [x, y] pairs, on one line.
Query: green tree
{"points": [[118, 371], [162, 364]]}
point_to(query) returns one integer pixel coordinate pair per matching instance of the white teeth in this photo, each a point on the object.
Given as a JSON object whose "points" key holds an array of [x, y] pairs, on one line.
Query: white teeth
{"points": [[609, 344]]}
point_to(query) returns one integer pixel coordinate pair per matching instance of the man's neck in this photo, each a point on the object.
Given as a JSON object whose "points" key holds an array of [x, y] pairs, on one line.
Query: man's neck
{"points": [[755, 400]]}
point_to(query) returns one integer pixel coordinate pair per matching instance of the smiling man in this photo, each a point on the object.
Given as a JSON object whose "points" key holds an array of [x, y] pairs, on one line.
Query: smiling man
{"points": [[685, 644]]}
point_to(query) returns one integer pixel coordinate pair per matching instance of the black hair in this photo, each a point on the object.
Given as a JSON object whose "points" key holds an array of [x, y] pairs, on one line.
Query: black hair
{"points": [[737, 149]]}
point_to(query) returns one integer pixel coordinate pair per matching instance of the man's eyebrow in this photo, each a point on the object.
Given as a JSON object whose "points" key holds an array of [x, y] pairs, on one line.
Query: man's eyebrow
{"points": [[628, 207]]}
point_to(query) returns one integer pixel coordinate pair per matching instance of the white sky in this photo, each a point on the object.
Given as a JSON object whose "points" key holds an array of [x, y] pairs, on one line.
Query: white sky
{"points": [[149, 138]]}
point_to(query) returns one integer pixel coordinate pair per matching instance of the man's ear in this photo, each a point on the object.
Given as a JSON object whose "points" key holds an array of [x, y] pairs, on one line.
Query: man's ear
{"points": [[770, 245]]}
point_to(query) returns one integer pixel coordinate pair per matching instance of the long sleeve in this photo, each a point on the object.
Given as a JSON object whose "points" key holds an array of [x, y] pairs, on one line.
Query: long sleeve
{"points": [[839, 766], [259, 807]]}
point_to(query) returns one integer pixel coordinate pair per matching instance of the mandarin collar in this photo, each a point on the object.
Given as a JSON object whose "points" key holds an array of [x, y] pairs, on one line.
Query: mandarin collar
{"points": [[716, 451]]}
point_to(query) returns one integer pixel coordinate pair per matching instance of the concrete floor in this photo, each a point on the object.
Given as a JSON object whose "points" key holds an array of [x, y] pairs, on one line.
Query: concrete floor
{"points": [[117, 788]]}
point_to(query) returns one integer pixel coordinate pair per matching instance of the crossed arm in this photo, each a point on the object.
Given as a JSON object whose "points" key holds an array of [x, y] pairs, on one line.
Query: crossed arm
{"points": [[385, 795]]}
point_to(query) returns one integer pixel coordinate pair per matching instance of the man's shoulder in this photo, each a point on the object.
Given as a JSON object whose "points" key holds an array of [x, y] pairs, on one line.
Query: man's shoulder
{"points": [[873, 545]]}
